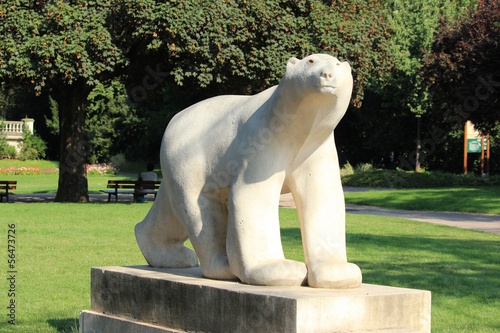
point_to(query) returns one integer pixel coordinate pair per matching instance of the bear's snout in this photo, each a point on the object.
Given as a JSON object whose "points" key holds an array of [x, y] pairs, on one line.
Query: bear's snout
{"points": [[328, 73], [330, 68]]}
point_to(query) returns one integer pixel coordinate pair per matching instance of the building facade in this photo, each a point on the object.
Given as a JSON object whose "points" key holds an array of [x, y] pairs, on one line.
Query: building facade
{"points": [[13, 131]]}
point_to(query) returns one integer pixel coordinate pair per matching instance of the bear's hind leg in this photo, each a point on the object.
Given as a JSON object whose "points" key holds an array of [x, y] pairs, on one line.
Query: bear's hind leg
{"points": [[161, 237], [205, 218]]}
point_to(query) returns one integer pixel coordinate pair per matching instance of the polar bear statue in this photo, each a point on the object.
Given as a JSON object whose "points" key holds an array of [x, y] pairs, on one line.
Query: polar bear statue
{"points": [[225, 162]]}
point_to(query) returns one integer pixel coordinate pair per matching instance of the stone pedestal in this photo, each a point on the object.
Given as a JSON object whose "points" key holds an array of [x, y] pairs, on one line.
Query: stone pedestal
{"points": [[143, 299]]}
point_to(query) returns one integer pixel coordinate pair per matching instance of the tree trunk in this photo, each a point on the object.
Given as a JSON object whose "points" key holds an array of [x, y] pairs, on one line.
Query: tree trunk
{"points": [[74, 144], [419, 147]]}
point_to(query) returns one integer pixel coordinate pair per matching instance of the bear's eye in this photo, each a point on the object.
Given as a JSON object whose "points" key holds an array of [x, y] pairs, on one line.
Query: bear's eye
{"points": [[311, 61]]}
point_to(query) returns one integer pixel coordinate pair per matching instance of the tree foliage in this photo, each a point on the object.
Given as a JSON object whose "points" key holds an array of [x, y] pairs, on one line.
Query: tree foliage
{"points": [[462, 69], [57, 43], [386, 124], [108, 114], [7, 97], [243, 46], [413, 25], [64, 47]]}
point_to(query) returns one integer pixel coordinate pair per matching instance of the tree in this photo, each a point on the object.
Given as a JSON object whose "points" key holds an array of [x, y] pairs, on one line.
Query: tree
{"points": [[6, 100], [402, 93], [462, 70], [65, 47], [397, 101], [69, 47]]}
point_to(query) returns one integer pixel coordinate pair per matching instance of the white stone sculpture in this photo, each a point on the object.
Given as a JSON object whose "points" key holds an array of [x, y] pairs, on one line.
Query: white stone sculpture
{"points": [[225, 162]]}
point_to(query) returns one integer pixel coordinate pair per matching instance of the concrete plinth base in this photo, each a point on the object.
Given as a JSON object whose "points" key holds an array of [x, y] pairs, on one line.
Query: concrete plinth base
{"points": [[151, 300]]}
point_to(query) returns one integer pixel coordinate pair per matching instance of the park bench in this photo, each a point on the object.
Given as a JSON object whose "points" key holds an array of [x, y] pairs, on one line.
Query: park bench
{"points": [[134, 187], [5, 186]]}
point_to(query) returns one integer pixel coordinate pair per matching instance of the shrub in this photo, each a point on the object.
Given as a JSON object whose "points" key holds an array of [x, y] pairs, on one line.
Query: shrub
{"points": [[410, 179], [6, 150], [495, 180], [364, 167], [118, 160], [347, 169], [33, 147]]}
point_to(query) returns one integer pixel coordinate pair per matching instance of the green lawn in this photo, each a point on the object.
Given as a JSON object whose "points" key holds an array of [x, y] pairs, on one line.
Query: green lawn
{"points": [[47, 183], [481, 199], [57, 244], [28, 164]]}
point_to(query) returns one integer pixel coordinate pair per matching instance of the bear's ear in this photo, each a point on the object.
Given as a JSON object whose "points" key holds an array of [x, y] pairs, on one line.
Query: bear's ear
{"points": [[292, 61]]}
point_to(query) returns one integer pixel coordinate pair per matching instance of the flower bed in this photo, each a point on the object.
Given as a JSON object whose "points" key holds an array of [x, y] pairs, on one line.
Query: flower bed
{"points": [[101, 169], [19, 171]]}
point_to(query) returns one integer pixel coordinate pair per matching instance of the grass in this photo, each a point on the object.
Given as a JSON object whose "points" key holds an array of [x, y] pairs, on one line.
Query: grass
{"points": [[47, 183], [55, 252], [28, 164], [57, 244], [481, 199], [461, 268]]}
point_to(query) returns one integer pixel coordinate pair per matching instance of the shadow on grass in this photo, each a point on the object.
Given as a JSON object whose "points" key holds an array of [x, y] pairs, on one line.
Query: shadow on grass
{"points": [[126, 203], [67, 325], [448, 267], [291, 235]]}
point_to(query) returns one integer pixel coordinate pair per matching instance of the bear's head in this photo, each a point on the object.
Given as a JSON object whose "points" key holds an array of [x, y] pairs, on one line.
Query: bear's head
{"points": [[320, 74]]}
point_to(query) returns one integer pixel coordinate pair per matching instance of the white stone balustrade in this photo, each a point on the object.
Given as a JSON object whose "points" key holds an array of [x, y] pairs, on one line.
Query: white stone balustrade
{"points": [[13, 126], [13, 131], [17, 126]]}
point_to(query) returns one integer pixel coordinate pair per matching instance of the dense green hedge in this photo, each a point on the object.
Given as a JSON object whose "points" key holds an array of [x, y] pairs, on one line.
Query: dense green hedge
{"points": [[406, 179]]}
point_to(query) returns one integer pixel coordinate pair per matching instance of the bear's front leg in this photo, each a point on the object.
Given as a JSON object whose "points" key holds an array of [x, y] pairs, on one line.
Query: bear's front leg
{"points": [[253, 242], [318, 195]]}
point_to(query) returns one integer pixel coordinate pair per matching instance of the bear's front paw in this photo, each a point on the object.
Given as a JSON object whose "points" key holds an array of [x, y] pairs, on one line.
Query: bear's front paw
{"points": [[334, 275]]}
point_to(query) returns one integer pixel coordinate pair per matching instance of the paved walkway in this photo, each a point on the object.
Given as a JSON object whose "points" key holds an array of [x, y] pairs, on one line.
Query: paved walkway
{"points": [[481, 222]]}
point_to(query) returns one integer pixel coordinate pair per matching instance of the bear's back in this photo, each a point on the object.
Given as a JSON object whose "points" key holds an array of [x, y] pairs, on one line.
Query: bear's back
{"points": [[200, 135]]}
